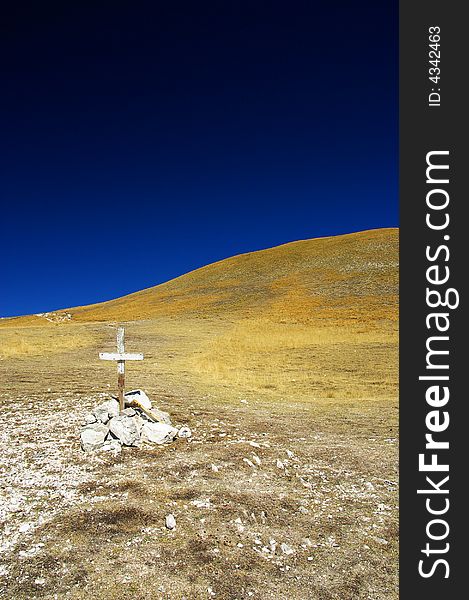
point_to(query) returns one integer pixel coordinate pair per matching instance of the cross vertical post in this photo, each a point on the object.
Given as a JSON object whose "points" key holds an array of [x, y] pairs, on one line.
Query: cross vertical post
{"points": [[121, 367], [120, 357]]}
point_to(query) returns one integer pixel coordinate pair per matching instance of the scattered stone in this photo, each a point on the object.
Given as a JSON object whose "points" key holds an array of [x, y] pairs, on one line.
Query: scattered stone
{"points": [[170, 521], [215, 469], [280, 464], [184, 432], [239, 525], [380, 540], [92, 436], [286, 549], [202, 503], [125, 429], [158, 433], [250, 463]]}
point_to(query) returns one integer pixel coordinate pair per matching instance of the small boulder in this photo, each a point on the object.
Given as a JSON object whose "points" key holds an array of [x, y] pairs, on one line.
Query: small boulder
{"points": [[184, 432], [112, 445], [139, 421], [128, 412], [106, 410], [170, 521], [93, 435], [88, 419], [138, 395], [162, 416], [125, 430], [158, 433], [286, 549]]}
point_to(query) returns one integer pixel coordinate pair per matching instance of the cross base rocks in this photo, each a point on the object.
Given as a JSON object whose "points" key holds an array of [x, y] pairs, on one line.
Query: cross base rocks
{"points": [[108, 429]]}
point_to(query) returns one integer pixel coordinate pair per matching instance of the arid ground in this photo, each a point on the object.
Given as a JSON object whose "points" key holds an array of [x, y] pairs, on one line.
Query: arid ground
{"points": [[284, 365]]}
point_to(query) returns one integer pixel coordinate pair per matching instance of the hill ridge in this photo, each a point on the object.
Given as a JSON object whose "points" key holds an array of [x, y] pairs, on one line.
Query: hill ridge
{"points": [[297, 276]]}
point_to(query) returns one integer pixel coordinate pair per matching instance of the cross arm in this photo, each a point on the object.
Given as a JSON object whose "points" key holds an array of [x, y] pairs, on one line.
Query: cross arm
{"points": [[117, 356]]}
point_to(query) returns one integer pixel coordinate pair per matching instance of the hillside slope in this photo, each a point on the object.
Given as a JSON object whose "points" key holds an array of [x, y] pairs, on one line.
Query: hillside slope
{"points": [[347, 277]]}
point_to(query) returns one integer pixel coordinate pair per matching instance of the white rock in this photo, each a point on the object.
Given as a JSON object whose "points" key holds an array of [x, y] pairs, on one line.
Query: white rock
{"points": [[138, 395], [128, 412], [256, 459], [88, 419], [184, 432], [125, 429], [286, 549], [139, 421], [162, 416], [280, 464], [170, 521], [111, 445], [158, 433], [92, 436], [106, 410], [113, 408], [202, 503]]}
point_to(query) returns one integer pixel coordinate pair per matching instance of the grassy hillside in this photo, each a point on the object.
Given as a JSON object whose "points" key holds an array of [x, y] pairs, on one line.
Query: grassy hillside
{"points": [[335, 279]]}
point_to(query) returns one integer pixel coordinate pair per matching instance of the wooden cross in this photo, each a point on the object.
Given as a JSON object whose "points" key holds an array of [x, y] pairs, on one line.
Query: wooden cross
{"points": [[120, 356]]}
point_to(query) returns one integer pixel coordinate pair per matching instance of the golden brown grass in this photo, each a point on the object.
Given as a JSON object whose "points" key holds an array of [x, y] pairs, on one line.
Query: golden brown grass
{"points": [[293, 359], [38, 341]]}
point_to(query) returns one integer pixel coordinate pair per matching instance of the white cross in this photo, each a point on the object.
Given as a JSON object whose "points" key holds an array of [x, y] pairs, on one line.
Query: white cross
{"points": [[120, 356]]}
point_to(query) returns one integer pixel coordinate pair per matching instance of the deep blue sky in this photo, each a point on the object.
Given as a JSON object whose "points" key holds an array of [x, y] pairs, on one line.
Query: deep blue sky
{"points": [[143, 140]]}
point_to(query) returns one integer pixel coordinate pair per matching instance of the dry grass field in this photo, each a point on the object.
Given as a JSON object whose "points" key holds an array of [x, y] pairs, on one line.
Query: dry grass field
{"points": [[284, 365]]}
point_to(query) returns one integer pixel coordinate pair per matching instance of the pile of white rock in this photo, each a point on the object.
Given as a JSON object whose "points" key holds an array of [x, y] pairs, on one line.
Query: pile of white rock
{"points": [[107, 428]]}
